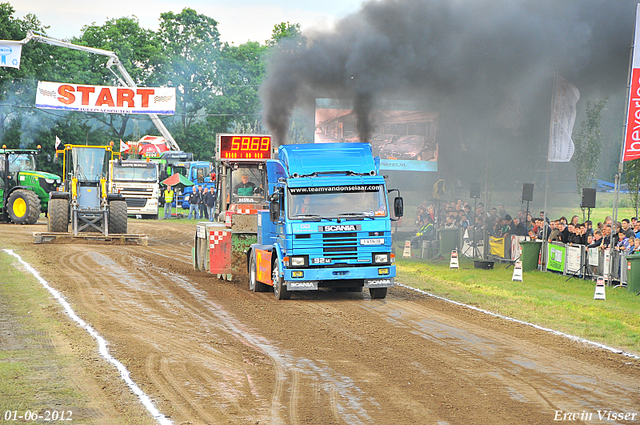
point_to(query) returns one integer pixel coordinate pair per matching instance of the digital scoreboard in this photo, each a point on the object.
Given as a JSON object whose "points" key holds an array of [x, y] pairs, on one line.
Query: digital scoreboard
{"points": [[249, 147]]}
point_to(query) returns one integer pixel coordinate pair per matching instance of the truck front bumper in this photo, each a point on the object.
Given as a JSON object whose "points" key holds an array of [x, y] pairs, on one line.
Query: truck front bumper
{"points": [[309, 279]]}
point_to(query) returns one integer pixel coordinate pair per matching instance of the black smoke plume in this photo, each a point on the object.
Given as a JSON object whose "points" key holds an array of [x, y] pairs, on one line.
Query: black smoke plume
{"points": [[486, 66]]}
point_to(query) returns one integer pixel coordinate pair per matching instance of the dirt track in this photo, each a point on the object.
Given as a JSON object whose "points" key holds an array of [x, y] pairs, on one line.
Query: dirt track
{"points": [[211, 352]]}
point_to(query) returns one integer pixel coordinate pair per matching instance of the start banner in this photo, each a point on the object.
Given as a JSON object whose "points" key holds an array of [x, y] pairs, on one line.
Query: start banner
{"points": [[114, 100]]}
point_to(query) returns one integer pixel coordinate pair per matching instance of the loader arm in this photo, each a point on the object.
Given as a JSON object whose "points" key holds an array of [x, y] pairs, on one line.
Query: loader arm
{"points": [[124, 78]]}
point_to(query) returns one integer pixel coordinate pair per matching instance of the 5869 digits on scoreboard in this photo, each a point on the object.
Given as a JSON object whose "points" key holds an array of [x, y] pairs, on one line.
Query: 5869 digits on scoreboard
{"points": [[245, 147]]}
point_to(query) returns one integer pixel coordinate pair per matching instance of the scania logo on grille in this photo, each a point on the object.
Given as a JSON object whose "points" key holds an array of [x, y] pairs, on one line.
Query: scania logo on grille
{"points": [[339, 228]]}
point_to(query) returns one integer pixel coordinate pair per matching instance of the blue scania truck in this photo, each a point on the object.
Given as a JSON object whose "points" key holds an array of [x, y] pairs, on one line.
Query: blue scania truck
{"points": [[328, 224]]}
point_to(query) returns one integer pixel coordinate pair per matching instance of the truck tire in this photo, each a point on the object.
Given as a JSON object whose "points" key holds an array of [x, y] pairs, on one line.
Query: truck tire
{"points": [[58, 215], [378, 293], [254, 284], [279, 285], [118, 217], [23, 207]]}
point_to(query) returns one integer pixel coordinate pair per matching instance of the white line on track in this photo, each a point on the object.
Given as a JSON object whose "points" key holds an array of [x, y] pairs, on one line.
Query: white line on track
{"points": [[102, 343], [511, 319]]}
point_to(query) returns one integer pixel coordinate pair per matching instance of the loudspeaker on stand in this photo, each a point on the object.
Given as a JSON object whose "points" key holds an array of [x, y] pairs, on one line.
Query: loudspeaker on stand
{"points": [[475, 190], [527, 192], [588, 198]]}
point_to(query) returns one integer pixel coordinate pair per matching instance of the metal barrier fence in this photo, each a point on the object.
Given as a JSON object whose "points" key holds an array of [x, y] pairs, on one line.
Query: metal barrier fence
{"points": [[585, 262], [561, 258]]}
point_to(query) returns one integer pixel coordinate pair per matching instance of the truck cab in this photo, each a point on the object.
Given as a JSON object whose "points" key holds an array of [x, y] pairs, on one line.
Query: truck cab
{"points": [[138, 181], [199, 172], [328, 224]]}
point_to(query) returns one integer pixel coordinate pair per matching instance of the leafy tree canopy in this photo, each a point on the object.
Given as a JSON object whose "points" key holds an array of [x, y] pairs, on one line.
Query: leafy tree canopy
{"points": [[217, 83]]}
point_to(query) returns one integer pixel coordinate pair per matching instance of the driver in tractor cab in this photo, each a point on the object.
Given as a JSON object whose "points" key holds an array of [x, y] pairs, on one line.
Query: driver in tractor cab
{"points": [[245, 187]]}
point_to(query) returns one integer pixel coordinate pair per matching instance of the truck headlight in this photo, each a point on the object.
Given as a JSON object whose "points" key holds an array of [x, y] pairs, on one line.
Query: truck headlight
{"points": [[381, 258], [298, 261]]}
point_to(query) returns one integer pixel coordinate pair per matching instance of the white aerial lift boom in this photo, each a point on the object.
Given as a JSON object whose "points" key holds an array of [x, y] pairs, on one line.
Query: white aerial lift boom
{"points": [[113, 60]]}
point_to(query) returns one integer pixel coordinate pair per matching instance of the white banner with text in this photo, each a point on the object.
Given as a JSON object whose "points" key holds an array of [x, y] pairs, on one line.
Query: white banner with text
{"points": [[114, 100]]}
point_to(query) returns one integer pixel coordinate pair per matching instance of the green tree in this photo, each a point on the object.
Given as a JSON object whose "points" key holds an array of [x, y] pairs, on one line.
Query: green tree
{"points": [[240, 73], [138, 50], [285, 31], [191, 45], [632, 178], [17, 86], [588, 145]]}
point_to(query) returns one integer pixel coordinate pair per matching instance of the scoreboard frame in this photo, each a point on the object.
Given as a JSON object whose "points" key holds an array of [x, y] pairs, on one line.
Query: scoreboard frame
{"points": [[244, 147]]}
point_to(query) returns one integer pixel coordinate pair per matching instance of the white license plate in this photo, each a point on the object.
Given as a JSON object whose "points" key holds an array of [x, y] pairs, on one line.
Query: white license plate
{"points": [[377, 241]]}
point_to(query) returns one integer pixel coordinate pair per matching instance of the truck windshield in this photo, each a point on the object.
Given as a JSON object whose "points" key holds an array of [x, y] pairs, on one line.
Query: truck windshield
{"points": [[337, 201], [89, 163], [135, 172], [247, 185], [201, 173], [21, 162]]}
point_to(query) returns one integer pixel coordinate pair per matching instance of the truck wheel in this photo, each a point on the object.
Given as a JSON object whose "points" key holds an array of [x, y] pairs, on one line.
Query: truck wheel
{"points": [[254, 285], [118, 217], [378, 293], [23, 207], [279, 286], [58, 215]]}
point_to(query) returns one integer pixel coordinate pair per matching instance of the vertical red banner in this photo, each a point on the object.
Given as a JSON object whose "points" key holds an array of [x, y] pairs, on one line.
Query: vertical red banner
{"points": [[632, 138]]}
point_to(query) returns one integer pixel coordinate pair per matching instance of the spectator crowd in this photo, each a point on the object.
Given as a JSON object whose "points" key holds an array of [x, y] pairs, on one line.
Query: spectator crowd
{"points": [[498, 223]]}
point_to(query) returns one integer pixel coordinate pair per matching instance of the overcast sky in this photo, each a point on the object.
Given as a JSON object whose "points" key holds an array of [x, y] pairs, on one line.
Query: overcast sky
{"points": [[238, 20]]}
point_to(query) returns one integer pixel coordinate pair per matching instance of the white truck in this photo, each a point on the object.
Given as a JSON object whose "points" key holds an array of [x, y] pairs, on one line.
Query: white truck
{"points": [[139, 182]]}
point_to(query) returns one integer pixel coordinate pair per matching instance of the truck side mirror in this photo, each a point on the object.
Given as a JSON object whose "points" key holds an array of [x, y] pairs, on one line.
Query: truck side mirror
{"points": [[274, 211], [398, 206]]}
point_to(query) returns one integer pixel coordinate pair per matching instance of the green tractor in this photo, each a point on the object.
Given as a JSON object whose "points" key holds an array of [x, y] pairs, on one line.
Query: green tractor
{"points": [[23, 190], [85, 200]]}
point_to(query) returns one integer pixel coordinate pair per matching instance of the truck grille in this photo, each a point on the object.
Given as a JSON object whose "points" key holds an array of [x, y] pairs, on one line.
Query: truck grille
{"points": [[136, 202], [339, 247]]}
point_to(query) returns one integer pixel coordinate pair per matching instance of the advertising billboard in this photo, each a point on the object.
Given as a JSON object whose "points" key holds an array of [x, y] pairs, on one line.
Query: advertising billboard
{"points": [[557, 257], [403, 136]]}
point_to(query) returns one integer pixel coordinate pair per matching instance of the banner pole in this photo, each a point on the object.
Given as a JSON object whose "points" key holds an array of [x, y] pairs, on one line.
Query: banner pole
{"points": [[546, 184], [616, 189], [545, 237]]}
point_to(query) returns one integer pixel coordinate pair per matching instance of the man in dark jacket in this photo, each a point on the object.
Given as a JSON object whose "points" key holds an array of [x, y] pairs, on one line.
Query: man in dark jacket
{"points": [[204, 212], [628, 230], [209, 202], [564, 232], [194, 200], [573, 238], [517, 228]]}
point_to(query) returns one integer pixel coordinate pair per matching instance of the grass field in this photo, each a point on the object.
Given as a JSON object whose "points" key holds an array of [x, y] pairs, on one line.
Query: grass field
{"points": [[544, 298], [32, 371], [597, 214]]}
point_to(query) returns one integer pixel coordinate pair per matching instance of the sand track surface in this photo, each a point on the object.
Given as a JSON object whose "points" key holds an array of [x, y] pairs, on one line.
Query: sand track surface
{"points": [[209, 351]]}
